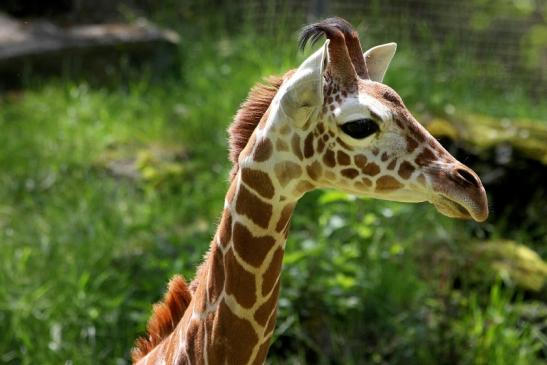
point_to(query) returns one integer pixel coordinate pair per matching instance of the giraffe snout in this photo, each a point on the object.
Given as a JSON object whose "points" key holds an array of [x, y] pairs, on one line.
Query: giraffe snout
{"points": [[460, 193]]}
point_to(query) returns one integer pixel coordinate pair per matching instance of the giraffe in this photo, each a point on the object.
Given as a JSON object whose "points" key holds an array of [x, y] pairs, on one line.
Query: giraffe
{"points": [[331, 123]]}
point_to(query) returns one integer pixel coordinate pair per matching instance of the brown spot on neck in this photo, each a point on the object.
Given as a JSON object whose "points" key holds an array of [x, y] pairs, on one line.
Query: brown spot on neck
{"points": [[251, 206], [284, 217], [263, 150], [251, 249], [259, 181], [239, 352], [239, 282], [216, 274], [272, 273], [286, 171], [225, 228], [265, 310], [195, 342]]}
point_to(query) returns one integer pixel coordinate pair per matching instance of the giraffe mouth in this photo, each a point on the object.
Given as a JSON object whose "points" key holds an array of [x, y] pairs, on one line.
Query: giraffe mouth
{"points": [[457, 192], [466, 209], [451, 208]]}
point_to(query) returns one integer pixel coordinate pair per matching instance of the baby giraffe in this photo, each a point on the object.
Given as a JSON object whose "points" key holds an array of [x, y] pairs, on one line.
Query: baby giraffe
{"points": [[330, 123]]}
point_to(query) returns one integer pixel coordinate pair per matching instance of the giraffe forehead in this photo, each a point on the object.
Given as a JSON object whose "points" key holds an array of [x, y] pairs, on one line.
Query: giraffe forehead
{"points": [[359, 106]]}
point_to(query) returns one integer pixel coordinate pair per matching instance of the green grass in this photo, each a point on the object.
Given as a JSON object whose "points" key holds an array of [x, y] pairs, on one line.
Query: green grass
{"points": [[84, 252]]}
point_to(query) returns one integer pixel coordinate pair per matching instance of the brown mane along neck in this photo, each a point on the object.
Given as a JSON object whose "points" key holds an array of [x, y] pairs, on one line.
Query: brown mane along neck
{"points": [[250, 114]]}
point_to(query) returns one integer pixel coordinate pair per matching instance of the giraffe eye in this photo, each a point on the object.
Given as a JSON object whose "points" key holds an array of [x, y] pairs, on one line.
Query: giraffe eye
{"points": [[360, 128]]}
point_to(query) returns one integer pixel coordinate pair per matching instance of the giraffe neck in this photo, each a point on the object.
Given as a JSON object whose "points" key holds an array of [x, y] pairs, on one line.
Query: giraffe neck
{"points": [[235, 303]]}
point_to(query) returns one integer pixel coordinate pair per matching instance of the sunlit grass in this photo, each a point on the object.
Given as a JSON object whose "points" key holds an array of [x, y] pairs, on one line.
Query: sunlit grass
{"points": [[85, 251]]}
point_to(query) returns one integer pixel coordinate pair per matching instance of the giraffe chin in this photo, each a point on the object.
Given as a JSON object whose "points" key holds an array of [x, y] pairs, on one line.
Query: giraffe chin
{"points": [[454, 209]]}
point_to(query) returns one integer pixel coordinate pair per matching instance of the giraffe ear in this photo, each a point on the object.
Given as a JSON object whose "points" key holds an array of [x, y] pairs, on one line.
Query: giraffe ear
{"points": [[378, 59], [302, 93]]}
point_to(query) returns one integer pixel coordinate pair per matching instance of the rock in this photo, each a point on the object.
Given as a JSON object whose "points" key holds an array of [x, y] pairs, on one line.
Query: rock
{"points": [[153, 164], [42, 46], [483, 263], [513, 262], [479, 133]]}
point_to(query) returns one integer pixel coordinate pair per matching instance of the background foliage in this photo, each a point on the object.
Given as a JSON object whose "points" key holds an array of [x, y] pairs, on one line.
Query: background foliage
{"points": [[109, 187]]}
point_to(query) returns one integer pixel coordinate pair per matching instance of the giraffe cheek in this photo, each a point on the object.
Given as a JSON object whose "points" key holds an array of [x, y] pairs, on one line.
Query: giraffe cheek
{"points": [[350, 173], [405, 170]]}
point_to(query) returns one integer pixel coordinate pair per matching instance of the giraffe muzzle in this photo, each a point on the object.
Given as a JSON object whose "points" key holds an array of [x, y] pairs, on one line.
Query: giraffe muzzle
{"points": [[459, 193]]}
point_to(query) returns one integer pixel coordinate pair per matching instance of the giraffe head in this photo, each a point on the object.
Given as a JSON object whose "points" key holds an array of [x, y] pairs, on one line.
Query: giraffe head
{"points": [[333, 124]]}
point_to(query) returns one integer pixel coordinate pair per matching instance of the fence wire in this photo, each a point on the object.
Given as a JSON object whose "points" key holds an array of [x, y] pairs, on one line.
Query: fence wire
{"points": [[503, 41]]}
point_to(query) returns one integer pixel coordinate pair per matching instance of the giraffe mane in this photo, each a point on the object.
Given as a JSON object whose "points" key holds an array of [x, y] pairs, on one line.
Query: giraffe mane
{"points": [[250, 114], [166, 314]]}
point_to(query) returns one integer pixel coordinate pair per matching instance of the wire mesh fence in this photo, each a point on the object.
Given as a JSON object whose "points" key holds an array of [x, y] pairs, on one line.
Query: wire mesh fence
{"points": [[502, 42]]}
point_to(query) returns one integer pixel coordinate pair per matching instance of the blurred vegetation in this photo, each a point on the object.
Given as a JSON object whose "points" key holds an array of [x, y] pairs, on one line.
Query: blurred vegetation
{"points": [[109, 188]]}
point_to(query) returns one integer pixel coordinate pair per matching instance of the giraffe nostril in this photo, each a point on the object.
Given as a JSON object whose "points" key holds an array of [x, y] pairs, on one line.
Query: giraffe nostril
{"points": [[468, 177]]}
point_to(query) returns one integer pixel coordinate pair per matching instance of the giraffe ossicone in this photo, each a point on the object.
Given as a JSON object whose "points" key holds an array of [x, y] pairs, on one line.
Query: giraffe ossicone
{"points": [[330, 123]]}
